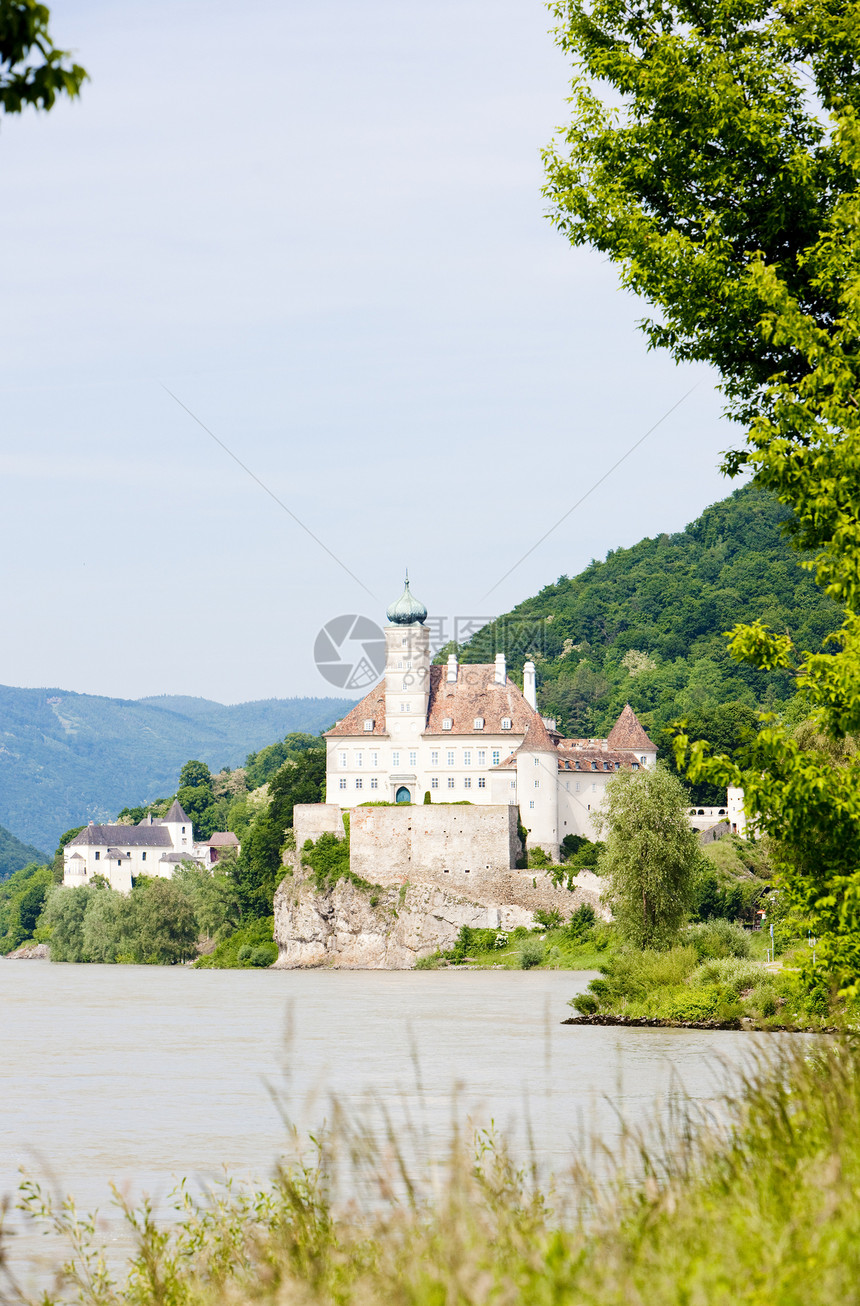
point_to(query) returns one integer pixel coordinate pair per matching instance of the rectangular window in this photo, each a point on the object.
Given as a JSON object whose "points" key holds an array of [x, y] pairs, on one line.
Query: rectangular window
{"points": [[594, 789], [479, 723], [395, 759], [482, 782], [577, 786], [531, 804], [537, 784], [343, 782], [374, 759], [513, 784], [447, 723], [404, 707], [536, 761], [482, 757], [506, 723], [368, 725], [450, 757], [98, 854], [358, 783], [434, 757], [413, 759], [342, 759], [496, 757], [359, 758], [467, 783], [374, 783], [434, 783], [467, 757], [142, 857], [450, 782]]}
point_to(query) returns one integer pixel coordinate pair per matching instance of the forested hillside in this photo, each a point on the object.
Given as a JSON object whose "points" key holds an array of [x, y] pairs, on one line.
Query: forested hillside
{"points": [[14, 854], [70, 758], [646, 625]]}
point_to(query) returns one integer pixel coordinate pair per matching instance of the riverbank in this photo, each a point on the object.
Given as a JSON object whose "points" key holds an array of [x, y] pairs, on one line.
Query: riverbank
{"points": [[741, 1023]]}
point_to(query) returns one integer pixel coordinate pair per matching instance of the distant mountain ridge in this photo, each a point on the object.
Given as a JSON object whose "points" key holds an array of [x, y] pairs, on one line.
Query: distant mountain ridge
{"points": [[68, 758]]}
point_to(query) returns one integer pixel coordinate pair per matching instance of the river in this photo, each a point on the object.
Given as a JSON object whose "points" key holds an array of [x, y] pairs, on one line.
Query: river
{"points": [[142, 1075]]}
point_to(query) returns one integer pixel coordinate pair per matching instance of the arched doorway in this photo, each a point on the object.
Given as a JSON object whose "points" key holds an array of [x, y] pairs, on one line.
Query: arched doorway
{"points": [[403, 795]]}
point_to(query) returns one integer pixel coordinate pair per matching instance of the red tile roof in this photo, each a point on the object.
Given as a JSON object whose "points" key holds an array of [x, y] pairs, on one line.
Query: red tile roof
{"points": [[628, 733], [474, 694], [537, 738], [371, 708]]}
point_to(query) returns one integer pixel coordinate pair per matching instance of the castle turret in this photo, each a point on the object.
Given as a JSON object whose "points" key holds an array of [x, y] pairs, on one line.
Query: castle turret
{"points": [[407, 672]]}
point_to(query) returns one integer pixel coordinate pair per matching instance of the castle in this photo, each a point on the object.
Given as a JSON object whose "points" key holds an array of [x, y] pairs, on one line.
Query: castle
{"points": [[466, 733], [155, 846]]}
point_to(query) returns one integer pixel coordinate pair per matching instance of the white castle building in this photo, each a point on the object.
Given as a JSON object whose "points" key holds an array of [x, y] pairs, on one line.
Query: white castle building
{"points": [[467, 733], [155, 846]]}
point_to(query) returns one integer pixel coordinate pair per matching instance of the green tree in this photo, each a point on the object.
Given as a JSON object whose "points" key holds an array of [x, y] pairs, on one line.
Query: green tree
{"points": [[63, 919], [650, 857], [162, 923], [195, 774], [260, 867], [727, 189], [32, 70], [213, 896], [22, 897]]}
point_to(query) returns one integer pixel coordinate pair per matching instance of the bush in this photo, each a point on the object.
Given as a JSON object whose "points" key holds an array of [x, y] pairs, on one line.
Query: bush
{"points": [[531, 953], [537, 858], [548, 920], [586, 1004], [239, 949], [718, 938], [582, 921], [737, 973], [264, 955], [692, 1004]]}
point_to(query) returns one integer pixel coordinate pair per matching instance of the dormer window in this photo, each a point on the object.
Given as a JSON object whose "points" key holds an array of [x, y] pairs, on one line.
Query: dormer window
{"points": [[479, 723], [506, 723], [368, 725], [447, 723], [594, 766], [183, 829], [635, 766]]}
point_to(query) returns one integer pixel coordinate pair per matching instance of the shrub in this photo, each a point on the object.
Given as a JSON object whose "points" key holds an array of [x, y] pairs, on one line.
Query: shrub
{"points": [[719, 938], [548, 920], [264, 955], [244, 952], [737, 973], [531, 953], [586, 1004], [582, 921], [239, 949], [631, 976], [693, 1004], [537, 858]]}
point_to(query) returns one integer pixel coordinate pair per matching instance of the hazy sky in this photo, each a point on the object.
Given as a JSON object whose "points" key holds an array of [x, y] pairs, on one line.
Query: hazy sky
{"points": [[319, 223]]}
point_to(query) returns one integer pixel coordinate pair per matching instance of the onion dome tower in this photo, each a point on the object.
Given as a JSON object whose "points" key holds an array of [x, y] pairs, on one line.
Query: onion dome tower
{"points": [[407, 610]]}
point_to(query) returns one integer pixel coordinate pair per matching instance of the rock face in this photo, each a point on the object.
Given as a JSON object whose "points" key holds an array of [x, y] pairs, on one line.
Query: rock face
{"points": [[389, 928], [30, 952]]}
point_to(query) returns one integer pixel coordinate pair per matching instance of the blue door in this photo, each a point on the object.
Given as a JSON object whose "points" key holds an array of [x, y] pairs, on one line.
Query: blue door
{"points": [[403, 795]]}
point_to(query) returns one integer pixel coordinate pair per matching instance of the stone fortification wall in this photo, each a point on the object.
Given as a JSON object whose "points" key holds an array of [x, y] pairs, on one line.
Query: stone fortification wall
{"points": [[310, 820], [433, 842]]}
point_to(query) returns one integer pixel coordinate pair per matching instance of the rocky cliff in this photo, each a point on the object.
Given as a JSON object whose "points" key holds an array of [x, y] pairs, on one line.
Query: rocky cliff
{"points": [[389, 928]]}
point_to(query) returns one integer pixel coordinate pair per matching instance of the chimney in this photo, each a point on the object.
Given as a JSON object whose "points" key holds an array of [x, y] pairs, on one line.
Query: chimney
{"points": [[530, 685], [452, 668], [501, 675]]}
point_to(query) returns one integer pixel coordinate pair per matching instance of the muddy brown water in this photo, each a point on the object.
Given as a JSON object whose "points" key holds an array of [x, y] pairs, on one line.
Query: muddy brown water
{"points": [[143, 1075]]}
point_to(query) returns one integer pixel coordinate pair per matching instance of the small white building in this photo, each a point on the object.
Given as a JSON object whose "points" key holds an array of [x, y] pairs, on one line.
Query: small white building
{"points": [[467, 733], [156, 846]]}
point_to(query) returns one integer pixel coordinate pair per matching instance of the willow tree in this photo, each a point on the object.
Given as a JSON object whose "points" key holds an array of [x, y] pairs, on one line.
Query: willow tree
{"points": [[650, 856], [714, 155]]}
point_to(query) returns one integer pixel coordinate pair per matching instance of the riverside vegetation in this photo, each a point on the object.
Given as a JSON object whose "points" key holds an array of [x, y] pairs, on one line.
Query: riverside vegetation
{"points": [[755, 1203]]}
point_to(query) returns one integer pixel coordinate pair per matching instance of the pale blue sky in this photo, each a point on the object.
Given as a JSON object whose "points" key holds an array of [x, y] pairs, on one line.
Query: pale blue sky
{"points": [[319, 222]]}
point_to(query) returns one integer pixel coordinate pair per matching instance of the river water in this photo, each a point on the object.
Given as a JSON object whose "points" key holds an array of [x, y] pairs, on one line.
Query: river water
{"points": [[142, 1075]]}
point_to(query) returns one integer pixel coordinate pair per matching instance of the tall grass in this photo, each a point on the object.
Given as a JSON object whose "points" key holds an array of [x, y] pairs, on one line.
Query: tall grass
{"points": [[756, 1205]]}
